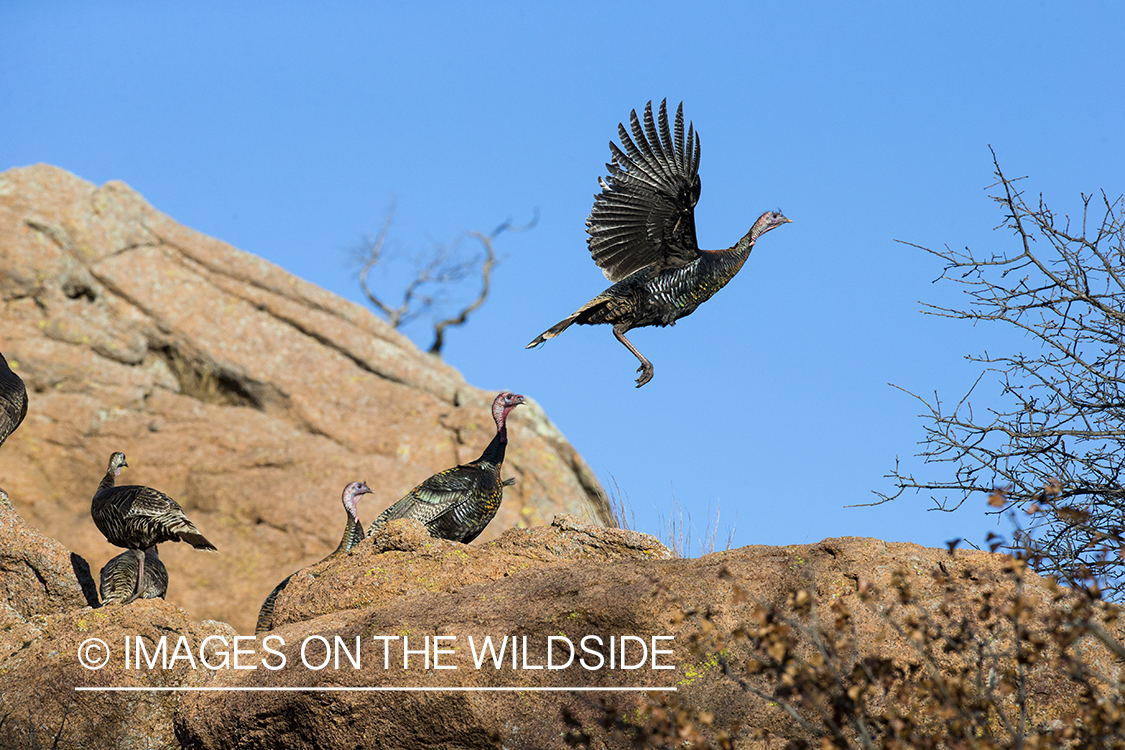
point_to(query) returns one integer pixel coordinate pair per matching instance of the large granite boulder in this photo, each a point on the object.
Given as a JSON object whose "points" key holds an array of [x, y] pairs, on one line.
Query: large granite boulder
{"points": [[245, 393]]}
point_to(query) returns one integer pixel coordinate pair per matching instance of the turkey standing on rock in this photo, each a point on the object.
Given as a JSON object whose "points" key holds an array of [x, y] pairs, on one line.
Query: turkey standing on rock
{"points": [[642, 235], [119, 577], [13, 400], [353, 534], [458, 503], [137, 518]]}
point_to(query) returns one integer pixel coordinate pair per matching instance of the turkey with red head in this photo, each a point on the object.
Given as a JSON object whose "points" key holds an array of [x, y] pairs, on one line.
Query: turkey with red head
{"points": [[642, 235], [458, 503]]}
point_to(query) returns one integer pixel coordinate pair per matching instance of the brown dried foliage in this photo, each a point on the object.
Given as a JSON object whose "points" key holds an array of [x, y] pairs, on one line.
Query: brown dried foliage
{"points": [[977, 661]]}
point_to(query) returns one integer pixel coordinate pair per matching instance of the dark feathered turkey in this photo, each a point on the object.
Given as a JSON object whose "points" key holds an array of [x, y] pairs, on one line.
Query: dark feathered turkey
{"points": [[13, 400], [137, 518], [458, 503], [119, 577], [353, 534], [642, 235]]}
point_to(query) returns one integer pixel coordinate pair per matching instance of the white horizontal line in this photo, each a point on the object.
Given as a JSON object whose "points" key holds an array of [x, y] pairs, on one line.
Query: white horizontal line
{"points": [[373, 689]]}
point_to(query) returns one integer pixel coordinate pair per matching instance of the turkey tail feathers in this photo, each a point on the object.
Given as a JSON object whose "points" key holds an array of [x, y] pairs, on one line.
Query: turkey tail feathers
{"points": [[196, 540], [553, 331]]}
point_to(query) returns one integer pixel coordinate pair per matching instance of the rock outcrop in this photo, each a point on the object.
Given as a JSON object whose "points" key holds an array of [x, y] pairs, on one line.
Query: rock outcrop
{"points": [[566, 585], [46, 614], [557, 586], [38, 576], [248, 395], [46, 693]]}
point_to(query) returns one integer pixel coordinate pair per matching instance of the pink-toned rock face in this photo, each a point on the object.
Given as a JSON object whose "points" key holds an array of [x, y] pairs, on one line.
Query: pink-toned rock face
{"points": [[249, 396], [38, 576], [569, 581]]}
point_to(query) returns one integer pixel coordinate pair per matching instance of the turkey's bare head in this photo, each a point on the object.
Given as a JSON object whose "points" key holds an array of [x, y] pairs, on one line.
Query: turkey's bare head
{"points": [[352, 493], [767, 221], [503, 404], [116, 463]]}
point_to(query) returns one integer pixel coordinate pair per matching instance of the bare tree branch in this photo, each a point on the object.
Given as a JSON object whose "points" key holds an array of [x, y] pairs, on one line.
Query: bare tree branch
{"points": [[373, 249], [486, 276], [1059, 420], [436, 273]]}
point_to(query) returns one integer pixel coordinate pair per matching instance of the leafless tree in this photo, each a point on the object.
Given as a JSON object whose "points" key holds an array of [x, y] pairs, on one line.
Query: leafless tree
{"points": [[1052, 444], [436, 273]]}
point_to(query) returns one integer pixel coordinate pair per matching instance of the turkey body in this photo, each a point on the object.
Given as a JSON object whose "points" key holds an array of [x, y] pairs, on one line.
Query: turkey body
{"points": [[353, 534], [455, 504], [137, 518], [118, 578], [13, 400], [655, 297], [642, 235], [458, 503]]}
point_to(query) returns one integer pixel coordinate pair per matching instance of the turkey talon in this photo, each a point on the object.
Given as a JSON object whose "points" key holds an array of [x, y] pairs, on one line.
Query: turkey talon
{"points": [[646, 374]]}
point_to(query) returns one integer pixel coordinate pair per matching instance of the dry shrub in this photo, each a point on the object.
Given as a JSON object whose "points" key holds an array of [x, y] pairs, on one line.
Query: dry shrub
{"points": [[981, 667]]}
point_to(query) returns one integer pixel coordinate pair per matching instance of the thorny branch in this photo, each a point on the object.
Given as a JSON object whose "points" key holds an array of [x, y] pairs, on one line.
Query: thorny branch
{"points": [[435, 273], [1059, 420]]}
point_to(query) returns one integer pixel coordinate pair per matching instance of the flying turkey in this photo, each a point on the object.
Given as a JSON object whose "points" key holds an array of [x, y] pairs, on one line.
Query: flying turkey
{"points": [[137, 518], [353, 534], [13, 400], [642, 235], [119, 577], [458, 503]]}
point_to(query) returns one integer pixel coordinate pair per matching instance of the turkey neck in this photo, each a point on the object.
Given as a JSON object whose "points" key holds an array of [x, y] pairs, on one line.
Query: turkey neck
{"points": [[107, 481], [494, 453], [724, 264], [349, 539]]}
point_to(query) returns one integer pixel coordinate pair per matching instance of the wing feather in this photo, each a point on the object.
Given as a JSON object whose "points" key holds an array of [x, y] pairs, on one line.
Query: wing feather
{"points": [[657, 147], [432, 497], [645, 212], [681, 154]]}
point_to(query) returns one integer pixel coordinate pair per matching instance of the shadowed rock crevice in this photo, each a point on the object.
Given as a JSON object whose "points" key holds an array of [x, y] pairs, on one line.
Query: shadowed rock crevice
{"points": [[57, 234], [75, 289], [207, 382]]}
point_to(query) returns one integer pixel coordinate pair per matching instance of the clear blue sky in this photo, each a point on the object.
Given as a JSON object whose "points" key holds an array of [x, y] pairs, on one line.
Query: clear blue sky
{"points": [[288, 130]]}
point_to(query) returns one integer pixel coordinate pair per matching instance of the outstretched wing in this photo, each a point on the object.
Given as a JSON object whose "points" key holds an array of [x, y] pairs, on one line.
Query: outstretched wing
{"points": [[645, 212]]}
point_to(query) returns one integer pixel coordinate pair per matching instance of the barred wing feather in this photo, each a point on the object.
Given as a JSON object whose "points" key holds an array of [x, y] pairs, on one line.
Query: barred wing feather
{"points": [[645, 213]]}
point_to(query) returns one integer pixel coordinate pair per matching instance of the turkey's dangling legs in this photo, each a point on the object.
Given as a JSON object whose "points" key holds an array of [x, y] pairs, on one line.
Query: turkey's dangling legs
{"points": [[645, 369], [140, 555]]}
